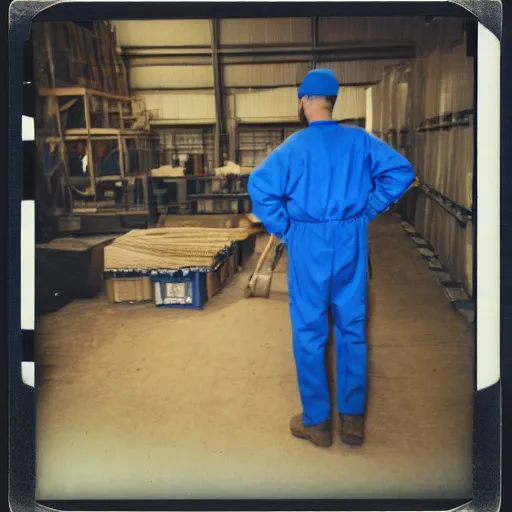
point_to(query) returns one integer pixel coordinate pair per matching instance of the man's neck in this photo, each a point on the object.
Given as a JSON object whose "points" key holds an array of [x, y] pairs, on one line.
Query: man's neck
{"points": [[315, 119]]}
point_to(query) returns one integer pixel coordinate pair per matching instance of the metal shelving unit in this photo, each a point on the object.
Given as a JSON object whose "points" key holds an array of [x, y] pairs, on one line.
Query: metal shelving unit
{"points": [[199, 195]]}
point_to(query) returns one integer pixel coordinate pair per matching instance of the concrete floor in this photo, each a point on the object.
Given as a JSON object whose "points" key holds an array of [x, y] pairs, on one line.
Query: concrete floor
{"points": [[140, 402]]}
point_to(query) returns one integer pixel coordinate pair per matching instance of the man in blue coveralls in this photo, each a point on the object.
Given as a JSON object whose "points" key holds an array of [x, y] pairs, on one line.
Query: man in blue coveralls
{"points": [[317, 192]]}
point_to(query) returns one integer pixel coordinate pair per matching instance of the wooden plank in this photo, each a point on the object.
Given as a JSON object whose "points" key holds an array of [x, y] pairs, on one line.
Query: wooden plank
{"points": [[181, 122], [67, 138], [79, 43], [145, 186], [106, 117], [62, 148], [105, 53], [96, 53], [121, 154], [49, 52], [79, 91], [124, 150], [126, 88], [115, 60], [80, 137], [97, 212], [109, 179], [93, 64], [121, 118], [71, 36], [103, 131], [101, 61], [62, 40], [90, 157], [85, 210], [68, 105]]}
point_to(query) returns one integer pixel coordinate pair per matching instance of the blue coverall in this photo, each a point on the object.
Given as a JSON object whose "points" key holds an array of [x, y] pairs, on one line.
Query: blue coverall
{"points": [[317, 192]]}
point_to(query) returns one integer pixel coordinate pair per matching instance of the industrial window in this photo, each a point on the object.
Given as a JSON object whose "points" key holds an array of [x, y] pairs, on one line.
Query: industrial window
{"points": [[255, 142]]}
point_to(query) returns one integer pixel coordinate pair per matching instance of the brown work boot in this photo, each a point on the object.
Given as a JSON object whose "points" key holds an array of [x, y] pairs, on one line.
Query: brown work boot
{"points": [[319, 435], [352, 429]]}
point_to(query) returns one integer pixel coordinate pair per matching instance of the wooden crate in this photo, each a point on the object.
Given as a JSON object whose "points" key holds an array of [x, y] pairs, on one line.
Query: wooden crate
{"points": [[246, 249], [69, 224], [129, 289], [97, 262], [216, 279]]}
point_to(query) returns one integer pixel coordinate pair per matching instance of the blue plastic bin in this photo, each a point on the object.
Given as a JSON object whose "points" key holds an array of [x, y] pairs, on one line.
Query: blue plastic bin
{"points": [[187, 291]]}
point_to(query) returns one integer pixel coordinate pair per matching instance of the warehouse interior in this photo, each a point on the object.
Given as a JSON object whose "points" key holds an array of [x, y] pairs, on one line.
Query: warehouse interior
{"points": [[155, 376]]}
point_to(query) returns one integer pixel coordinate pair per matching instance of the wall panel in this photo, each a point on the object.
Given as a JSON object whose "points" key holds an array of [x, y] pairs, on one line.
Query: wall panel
{"points": [[180, 106], [163, 33], [282, 104], [269, 75], [291, 74], [369, 30], [171, 77], [360, 71], [265, 31]]}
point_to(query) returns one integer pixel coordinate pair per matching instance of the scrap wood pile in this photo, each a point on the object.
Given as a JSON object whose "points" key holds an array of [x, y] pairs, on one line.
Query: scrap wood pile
{"points": [[67, 54], [230, 169], [172, 249]]}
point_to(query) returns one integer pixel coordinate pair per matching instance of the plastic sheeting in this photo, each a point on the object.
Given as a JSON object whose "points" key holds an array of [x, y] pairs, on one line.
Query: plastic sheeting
{"points": [[424, 109], [442, 152], [389, 102]]}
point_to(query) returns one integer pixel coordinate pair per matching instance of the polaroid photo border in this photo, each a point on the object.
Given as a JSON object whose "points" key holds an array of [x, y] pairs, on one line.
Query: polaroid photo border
{"points": [[21, 229]]}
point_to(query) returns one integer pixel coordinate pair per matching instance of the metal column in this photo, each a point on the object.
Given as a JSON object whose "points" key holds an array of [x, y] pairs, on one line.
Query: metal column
{"points": [[219, 92]]}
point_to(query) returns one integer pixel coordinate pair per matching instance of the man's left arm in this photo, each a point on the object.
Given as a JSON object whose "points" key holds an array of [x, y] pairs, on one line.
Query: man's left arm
{"points": [[267, 189], [392, 175]]}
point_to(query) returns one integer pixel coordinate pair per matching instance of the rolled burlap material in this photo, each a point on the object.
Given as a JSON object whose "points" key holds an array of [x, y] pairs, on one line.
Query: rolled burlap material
{"points": [[172, 248]]}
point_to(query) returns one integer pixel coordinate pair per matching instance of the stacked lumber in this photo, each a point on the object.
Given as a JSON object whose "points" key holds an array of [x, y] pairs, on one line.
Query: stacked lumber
{"points": [[172, 248], [167, 171], [69, 55], [233, 168], [250, 221]]}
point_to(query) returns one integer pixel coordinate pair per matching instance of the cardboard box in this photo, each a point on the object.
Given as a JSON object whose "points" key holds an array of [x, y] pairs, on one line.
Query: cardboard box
{"points": [[129, 289]]}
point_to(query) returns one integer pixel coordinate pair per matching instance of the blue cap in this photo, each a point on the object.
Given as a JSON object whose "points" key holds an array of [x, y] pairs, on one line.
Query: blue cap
{"points": [[319, 82]]}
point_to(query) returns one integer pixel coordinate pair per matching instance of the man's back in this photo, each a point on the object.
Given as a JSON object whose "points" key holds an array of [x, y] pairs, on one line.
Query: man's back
{"points": [[326, 173], [329, 174]]}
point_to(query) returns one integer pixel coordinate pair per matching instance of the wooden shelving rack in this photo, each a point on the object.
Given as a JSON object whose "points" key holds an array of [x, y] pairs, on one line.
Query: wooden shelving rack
{"points": [[107, 120]]}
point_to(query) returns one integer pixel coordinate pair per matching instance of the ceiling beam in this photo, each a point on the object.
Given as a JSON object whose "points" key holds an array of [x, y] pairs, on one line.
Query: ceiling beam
{"points": [[369, 54], [352, 50], [314, 39], [236, 88]]}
